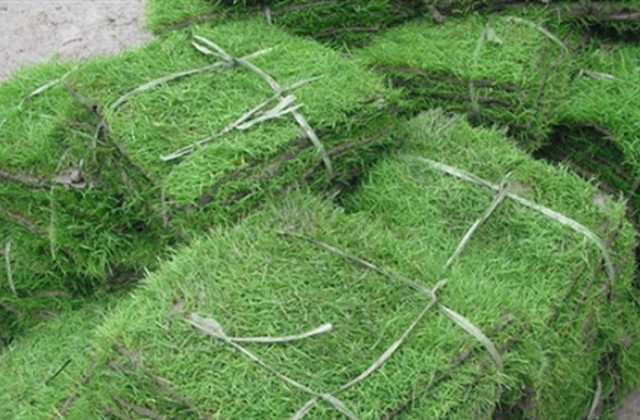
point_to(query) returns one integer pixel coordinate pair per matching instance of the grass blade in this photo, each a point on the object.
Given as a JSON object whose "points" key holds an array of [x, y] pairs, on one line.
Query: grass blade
{"points": [[275, 86], [7, 263], [44, 88], [311, 135], [593, 415], [367, 264], [215, 330], [540, 29], [190, 148]]}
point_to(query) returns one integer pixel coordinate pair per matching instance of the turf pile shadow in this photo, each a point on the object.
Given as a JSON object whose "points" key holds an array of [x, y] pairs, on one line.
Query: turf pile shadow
{"points": [[507, 70], [88, 197], [537, 289]]}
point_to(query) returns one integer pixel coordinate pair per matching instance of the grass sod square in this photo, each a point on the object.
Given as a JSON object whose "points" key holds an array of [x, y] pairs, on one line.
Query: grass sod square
{"points": [[131, 206], [341, 102], [498, 69], [532, 285]]}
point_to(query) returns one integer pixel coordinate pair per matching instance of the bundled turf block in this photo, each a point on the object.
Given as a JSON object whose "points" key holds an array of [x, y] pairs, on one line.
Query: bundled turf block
{"points": [[89, 199], [349, 23], [598, 126], [580, 326], [535, 287], [506, 70], [346, 106]]}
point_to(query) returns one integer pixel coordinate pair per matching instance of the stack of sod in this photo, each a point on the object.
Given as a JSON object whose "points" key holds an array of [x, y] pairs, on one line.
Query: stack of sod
{"points": [[533, 291], [349, 23], [354, 23], [219, 140], [506, 70], [590, 333], [71, 214], [599, 125], [127, 203]]}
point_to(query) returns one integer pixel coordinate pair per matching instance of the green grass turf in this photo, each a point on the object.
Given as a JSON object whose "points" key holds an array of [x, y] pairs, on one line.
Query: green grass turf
{"points": [[62, 241], [519, 75], [45, 367], [345, 103], [520, 265], [355, 23], [615, 20], [340, 24], [406, 194], [72, 241], [601, 119]]}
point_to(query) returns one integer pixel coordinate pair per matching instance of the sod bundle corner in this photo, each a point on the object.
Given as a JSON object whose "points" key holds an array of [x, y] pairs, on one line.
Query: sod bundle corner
{"points": [[567, 332], [501, 69], [71, 216], [524, 320], [340, 24], [598, 126]]}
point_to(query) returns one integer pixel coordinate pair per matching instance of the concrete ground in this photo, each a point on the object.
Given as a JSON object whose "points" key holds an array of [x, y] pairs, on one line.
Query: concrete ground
{"points": [[33, 30]]}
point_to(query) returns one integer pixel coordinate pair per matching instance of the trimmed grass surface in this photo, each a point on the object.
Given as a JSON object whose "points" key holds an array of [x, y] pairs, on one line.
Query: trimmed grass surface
{"points": [[45, 367], [497, 70], [534, 287], [507, 246], [534, 318], [130, 205]]}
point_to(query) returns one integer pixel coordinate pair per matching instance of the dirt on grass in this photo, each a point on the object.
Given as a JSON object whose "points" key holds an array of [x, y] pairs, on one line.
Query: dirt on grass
{"points": [[32, 31]]}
